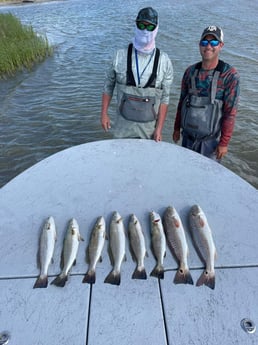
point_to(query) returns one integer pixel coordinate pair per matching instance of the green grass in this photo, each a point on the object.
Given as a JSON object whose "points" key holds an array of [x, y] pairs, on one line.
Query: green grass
{"points": [[20, 46]]}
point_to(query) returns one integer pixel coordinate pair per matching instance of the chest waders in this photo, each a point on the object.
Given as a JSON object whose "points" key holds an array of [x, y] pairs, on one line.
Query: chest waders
{"points": [[201, 116], [140, 104]]}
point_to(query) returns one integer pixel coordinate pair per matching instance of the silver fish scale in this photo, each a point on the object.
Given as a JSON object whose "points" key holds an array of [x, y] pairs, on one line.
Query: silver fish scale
{"points": [[202, 235]]}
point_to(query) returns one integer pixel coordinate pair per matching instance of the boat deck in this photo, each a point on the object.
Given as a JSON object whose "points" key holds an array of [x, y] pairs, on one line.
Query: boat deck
{"points": [[128, 176]]}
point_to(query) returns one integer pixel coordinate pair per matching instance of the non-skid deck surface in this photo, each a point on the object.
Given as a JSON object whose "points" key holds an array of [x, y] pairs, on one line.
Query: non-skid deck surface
{"points": [[128, 176]]}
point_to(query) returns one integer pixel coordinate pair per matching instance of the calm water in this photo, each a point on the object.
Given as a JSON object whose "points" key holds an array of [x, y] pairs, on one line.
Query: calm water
{"points": [[57, 105]]}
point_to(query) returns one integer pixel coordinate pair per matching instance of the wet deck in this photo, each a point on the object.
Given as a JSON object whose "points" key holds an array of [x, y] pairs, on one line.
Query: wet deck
{"points": [[129, 176]]}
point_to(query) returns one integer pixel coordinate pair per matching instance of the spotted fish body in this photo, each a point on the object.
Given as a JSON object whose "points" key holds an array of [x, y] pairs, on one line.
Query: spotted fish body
{"points": [[95, 248], [204, 241], [137, 243], [70, 249], [176, 240], [158, 241], [117, 247], [46, 250]]}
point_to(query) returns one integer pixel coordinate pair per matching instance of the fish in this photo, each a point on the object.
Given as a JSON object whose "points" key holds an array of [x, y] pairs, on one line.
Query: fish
{"points": [[158, 242], [117, 247], [203, 239], [176, 240], [69, 253], [137, 243], [96, 244], [47, 242]]}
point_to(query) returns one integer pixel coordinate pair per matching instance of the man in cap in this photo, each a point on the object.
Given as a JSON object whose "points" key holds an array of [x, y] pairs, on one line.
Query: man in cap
{"points": [[143, 75], [208, 102]]}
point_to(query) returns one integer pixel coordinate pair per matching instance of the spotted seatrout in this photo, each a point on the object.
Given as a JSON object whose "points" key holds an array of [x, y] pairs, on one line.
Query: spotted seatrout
{"points": [[202, 236], [69, 253], [117, 247], [95, 248], [176, 241], [158, 242], [46, 251], [137, 243]]}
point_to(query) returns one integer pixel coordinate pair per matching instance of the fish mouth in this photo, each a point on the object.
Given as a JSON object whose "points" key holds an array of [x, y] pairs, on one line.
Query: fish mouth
{"points": [[195, 210]]}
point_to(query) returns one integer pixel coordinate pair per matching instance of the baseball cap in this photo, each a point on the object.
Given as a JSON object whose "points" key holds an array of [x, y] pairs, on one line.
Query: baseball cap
{"points": [[215, 31], [147, 14]]}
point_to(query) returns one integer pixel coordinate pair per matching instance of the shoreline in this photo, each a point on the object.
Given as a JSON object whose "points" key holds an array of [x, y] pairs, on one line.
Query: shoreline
{"points": [[21, 2]]}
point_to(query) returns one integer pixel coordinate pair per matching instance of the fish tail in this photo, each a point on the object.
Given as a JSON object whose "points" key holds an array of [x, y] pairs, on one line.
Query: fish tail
{"points": [[113, 278], [158, 272], [183, 277], [41, 282], [60, 280], [90, 277], [139, 273], [207, 278]]}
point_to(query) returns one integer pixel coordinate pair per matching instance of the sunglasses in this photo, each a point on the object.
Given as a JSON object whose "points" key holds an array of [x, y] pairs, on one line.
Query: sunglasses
{"points": [[213, 43], [148, 27]]}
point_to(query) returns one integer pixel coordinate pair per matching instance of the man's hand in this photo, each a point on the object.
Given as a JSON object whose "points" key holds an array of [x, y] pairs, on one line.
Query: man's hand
{"points": [[176, 136], [221, 151], [105, 122]]}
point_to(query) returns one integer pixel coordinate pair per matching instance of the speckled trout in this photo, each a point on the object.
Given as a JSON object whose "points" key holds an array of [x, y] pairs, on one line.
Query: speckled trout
{"points": [[176, 241], [137, 244], [117, 247], [95, 247], [158, 242], [46, 250], [202, 236], [69, 253]]}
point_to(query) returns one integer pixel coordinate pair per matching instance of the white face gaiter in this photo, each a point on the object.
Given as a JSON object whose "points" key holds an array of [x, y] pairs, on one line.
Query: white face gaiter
{"points": [[144, 40]]}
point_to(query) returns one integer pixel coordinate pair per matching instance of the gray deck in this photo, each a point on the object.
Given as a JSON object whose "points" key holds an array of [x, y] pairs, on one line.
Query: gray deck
{"points": [[129, 176]]}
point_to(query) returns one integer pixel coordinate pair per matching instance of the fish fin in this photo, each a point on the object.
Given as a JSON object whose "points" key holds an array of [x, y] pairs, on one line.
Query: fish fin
{"points": [[207, 278], [139, 273], [90, 277], [80, 238], [113, 278], [74, 263], [183, 277], [100, 259], [41, 282], [60, 280], [146, 254], [125, 259], [158, 272]]}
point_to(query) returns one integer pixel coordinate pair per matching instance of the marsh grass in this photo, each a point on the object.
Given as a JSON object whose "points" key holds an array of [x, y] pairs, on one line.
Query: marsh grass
{"points": [[20, 46]]}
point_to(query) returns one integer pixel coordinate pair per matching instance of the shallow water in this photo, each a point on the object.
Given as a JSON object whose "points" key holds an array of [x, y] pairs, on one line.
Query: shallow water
{"points": [[57, 104]]}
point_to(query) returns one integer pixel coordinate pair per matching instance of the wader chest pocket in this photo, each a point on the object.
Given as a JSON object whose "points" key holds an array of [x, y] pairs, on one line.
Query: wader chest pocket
{"points": [[138, 109], [200, 118]]}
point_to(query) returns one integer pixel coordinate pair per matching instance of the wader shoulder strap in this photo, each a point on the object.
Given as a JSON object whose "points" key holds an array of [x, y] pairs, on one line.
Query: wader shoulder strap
{"points": [[219, 68], [152, 80], [129, 74]]}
